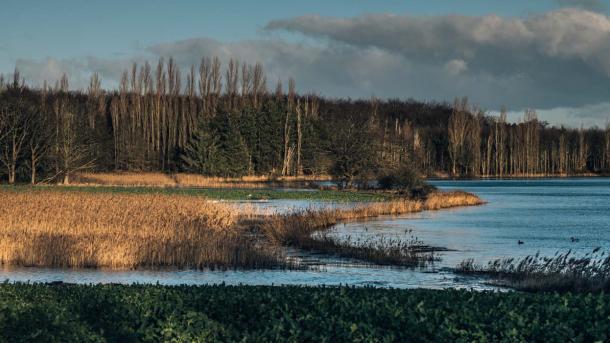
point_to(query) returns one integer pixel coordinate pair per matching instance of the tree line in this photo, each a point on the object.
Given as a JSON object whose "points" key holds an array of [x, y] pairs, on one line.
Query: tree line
{"points": [[225, 121]]}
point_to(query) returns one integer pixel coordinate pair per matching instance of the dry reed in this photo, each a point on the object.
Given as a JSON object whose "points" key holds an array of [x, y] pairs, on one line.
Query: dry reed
{"points": [[153, 179], [297, 229], [69, 229], [74, 229], [563, 272]]}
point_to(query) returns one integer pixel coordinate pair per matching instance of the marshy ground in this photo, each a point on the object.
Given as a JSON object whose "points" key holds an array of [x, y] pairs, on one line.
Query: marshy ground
{"points": [[120, 227], [123, 227]]}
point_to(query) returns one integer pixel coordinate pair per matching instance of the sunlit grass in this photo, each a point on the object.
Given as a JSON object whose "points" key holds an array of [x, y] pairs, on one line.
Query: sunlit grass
{"points": [[156, 179], [219, 193]]}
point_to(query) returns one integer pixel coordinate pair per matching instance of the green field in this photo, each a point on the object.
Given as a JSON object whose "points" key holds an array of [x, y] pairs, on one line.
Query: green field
{"points": [[222, 193], [37, 312]]}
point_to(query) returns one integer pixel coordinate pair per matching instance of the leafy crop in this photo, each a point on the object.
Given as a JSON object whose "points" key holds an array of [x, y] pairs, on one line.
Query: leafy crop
{"points": [[35, 312]]}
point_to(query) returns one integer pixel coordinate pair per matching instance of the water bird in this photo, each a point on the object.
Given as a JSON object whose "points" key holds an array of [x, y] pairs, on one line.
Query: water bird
{"points": [[574, 239], [519, 242]]}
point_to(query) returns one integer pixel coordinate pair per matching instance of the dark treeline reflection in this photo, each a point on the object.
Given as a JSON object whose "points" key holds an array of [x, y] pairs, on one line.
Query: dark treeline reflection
{"points": [[225, 121]]}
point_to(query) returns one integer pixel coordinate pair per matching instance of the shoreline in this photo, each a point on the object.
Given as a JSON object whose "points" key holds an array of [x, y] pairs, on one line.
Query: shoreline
{"points": [[83, 231], [518, 177]]}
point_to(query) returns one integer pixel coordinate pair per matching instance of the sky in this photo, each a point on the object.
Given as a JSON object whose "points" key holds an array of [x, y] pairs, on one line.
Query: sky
{"points": [[549, 55]]}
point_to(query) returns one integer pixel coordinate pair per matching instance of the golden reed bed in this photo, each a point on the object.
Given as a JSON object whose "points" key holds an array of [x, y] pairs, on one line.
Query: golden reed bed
{"points": [[77, 229], [73, 229], [152, 179], [296, 228]]}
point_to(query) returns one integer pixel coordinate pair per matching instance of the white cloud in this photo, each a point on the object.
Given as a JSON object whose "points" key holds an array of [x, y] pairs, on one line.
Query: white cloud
{"points": [[553, 61], [559, 58], [51, 70], [457, 66], [575, 117]]}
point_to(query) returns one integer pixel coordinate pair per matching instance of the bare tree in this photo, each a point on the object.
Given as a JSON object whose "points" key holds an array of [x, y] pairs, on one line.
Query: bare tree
{"points": [[472, 154], [71, 155], [216, 85], [94, 93], [3, 123], [39, 140], [147, 119], [531, 142], [204, 84], [291, 93], [314, 106], [563, 153], [16, 132], [299, 113], [583, 150], [500, 142], [191, 116], [16, 129], [246, 83], [279, 91], [607, 147], [288, 150], [231, 80], [259, 84], [457, 131]]}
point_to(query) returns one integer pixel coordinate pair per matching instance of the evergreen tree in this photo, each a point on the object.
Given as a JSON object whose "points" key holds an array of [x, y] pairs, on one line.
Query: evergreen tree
{"points": [[201, 154], [233, 157]]}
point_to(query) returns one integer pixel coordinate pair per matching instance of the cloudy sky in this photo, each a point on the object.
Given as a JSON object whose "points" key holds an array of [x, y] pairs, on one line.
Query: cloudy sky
{"points": [[550, 55]]}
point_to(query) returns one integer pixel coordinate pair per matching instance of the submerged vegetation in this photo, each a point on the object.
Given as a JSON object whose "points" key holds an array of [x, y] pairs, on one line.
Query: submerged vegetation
{"points": [[379, 250], [298, 229], [34, 312], [51, 227], [562, 272]]}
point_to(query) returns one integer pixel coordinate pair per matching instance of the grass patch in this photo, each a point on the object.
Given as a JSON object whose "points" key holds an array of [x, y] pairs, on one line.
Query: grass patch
{"points": [[220, 193], [157, 179], [117, 313]]}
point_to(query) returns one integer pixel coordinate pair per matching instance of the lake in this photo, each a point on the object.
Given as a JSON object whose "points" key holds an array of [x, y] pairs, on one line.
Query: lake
{"points": [[547, 215]]}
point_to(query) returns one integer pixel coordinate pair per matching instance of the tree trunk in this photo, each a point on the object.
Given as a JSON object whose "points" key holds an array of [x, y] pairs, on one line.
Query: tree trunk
{"points": [[299, 139], [11, 174], [33, 173], [285, 169]]}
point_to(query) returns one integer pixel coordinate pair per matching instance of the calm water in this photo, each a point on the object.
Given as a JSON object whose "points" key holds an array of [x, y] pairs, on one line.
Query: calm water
{"points": [[543, 213]]}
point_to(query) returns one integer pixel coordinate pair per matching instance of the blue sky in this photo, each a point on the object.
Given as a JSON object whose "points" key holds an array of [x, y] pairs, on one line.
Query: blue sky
{"points": [[546, 54]]}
